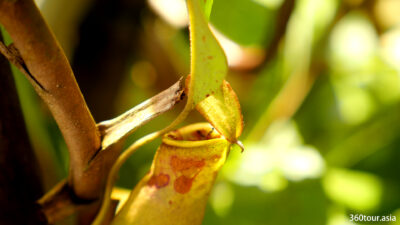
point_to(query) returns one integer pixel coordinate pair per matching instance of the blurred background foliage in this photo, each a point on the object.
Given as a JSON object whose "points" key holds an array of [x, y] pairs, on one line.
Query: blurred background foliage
{"points": [[318, 81]]}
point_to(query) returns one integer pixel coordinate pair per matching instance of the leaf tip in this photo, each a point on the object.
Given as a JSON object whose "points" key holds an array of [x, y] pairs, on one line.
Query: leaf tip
{"points": [[240, 144]]}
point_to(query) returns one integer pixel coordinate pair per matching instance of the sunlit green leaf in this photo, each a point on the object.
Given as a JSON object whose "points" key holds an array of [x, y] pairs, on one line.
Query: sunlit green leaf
{"points": [[245, 22], [222, 110], [208, 8], [208, 61]]}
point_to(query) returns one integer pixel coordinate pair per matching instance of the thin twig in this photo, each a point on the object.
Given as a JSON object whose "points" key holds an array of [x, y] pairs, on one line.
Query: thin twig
{"points": [[126, 154], [115, 129], [282, 20], [61, 200], [293, 93]]}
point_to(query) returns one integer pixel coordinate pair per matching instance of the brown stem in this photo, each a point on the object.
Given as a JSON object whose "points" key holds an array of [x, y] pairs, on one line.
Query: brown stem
{"points": [[46, 63], [297, 87], [38, 55], [282, 21], [61, 202], [20, 184], [281, 24]]}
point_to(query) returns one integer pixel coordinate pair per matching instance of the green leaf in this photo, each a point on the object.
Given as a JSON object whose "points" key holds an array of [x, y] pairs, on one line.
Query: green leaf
{"points": [[208, 61], [222, 110], [363, 190], [246, 22], [208, 8]]}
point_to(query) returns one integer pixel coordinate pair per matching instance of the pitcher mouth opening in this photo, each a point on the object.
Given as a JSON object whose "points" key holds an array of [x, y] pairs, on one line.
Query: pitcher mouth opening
{"points": [[193, 135]]}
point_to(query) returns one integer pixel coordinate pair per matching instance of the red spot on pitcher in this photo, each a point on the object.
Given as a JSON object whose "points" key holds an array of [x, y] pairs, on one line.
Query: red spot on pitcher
{"points": [[160, 180]]}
